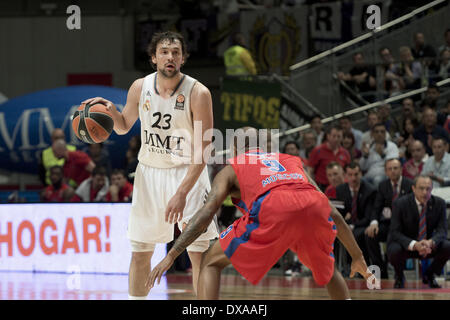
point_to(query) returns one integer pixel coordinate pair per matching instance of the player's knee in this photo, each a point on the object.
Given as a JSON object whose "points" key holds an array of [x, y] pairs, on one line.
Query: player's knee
{"points": [[140, 258], [198, 246], [141, 252], [219, 261], [142, 247]]}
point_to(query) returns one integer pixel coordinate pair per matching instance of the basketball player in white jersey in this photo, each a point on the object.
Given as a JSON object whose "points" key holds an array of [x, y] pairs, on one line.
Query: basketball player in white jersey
{"points": [[169, 185]]}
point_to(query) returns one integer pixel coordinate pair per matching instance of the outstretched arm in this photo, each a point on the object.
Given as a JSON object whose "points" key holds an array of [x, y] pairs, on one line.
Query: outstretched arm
{"points": [[221, 187]]}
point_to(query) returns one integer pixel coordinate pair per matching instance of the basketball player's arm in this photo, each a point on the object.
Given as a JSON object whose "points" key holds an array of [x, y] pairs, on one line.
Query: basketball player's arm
{"points": [[345, 235], [130, 113], [201, 107], [221, 187]]}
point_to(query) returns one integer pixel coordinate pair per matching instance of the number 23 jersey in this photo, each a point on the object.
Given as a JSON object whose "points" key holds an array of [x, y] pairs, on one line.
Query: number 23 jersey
{"points": [[166, 124]]}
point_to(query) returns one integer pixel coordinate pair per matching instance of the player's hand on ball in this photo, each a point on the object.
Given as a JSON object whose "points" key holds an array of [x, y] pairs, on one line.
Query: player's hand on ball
{"points": [[175, 207], [109, 105], [158, 271]]}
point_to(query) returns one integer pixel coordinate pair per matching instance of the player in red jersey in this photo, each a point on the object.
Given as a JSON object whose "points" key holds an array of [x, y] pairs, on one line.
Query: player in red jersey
{"points": [[284, 209]]}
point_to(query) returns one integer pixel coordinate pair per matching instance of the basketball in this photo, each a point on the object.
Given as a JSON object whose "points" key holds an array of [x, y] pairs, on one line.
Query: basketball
{"points": [[92, 123]]}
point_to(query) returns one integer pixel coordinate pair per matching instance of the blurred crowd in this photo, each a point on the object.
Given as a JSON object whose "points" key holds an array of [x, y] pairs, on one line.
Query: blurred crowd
{"points": [[419, 65], [364, 172], [71, 175]]}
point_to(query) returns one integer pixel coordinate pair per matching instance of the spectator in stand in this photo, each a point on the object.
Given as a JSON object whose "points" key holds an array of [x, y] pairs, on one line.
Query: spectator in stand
{"points": [[409, 69], [77, 166], [406, 137], [442, 70], [238, 59], [131, 160], [421, 51], [389, 190], [309, 139], [392, 81], [335, 176], [429, 129], [330, 150], [431, 98], [444, 115], [120, 189], [57, 191], [375, 155], [317, 126], [348, 142], [48, 158], [447, 125], [94, 188], [419, 231], [384, 114], [100, 156], [408, 111], [358, 196], [292, 148], [135, 143], [437, 166], [361, 76], [346, 125], [413, 167], [446, 45], [372, 119]]}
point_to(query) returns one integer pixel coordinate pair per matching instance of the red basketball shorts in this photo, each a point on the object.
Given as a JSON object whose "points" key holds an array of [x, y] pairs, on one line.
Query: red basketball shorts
{"points": [[282, 219]]}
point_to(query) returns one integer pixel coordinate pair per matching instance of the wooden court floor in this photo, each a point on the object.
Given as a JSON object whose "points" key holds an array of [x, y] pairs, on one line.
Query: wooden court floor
{"points": [[275, 287], [50, 286]]}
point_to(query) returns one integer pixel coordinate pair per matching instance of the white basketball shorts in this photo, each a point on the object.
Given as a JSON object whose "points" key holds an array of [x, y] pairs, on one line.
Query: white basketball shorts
{"points": [[152, 190]]}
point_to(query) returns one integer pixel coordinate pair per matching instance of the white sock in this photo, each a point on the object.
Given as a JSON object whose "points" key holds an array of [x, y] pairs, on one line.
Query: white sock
{"points": [[349, 299], [137, 298]]}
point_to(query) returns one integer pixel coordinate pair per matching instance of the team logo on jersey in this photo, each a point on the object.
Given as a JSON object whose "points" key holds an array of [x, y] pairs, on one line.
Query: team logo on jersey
{"points": [[146, 105], [148, 93], [179, 105], [224, 234]]}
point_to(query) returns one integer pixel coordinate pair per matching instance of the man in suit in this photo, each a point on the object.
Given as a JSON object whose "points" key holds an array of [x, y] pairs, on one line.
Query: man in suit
{"points": [[335, 176], [358, 196], [389, 190], [418, 230]]}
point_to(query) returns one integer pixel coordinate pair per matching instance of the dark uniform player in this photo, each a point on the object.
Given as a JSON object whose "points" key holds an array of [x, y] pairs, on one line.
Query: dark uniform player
{"points": [[282, 210]]}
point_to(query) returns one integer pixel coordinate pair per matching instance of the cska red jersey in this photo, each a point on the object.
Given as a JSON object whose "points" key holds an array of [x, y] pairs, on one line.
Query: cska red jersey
{"points": [[259, 172]]}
